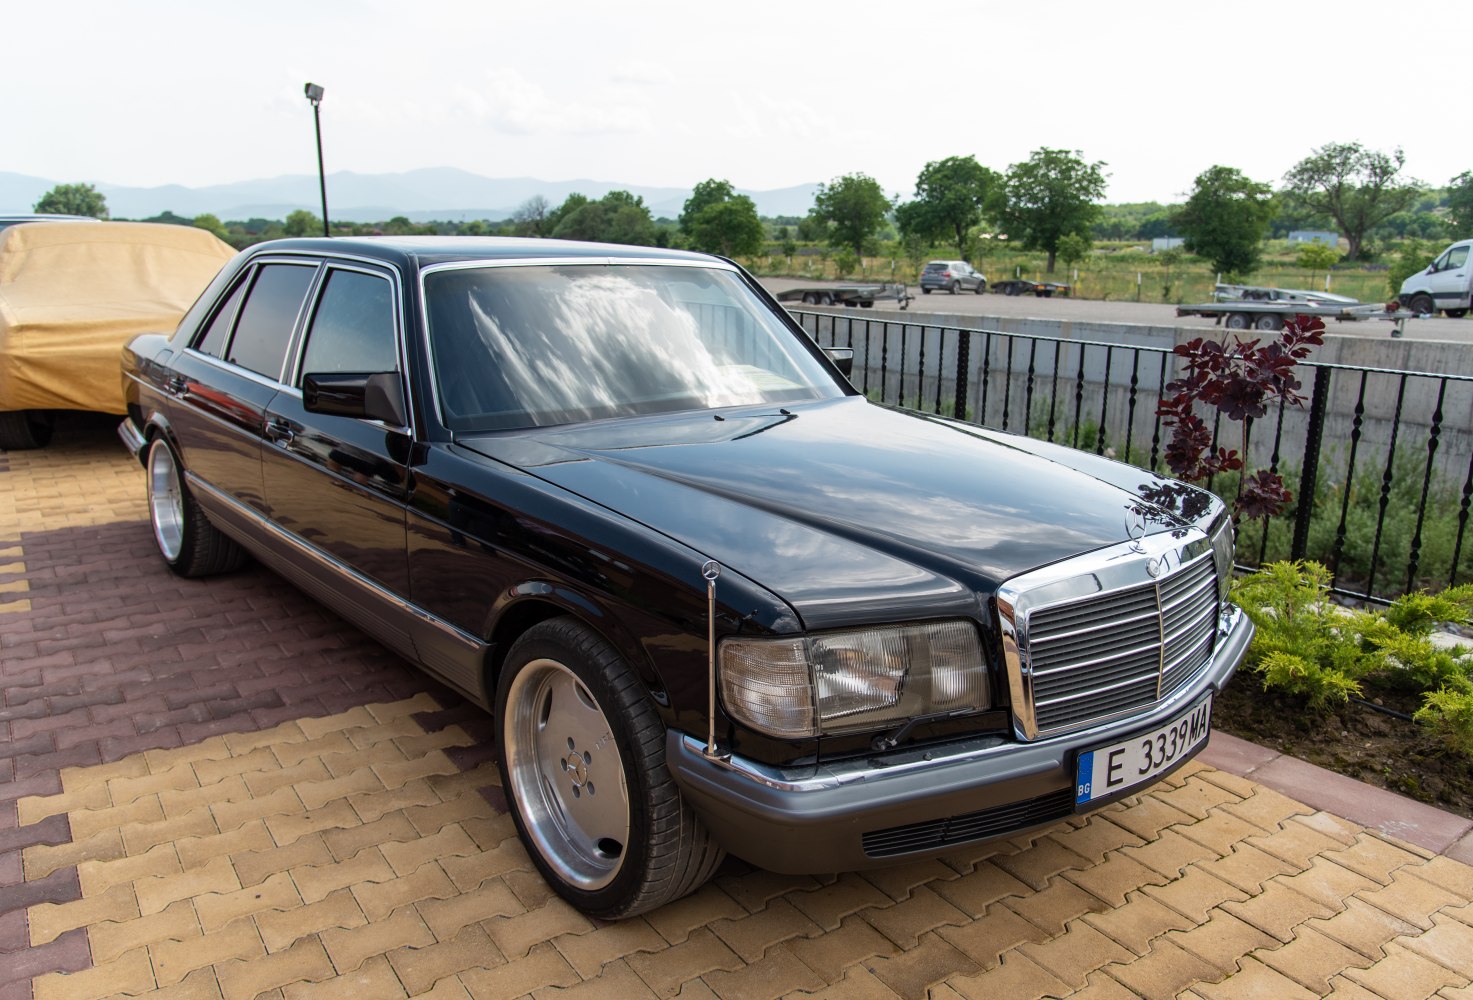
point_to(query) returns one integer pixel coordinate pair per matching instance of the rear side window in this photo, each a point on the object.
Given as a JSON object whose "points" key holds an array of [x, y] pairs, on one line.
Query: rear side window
{"points": [[353, 327], [215, 335], [268, 316]]}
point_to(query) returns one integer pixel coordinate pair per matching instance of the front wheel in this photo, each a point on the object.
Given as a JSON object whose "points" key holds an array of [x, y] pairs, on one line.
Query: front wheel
{"points": [[1422, 304], [981, 287], [951, 288], [1455, 313], [22, 430], [189, 543], [925, 290], [1268, 321], [1239, 321], [583, 766]]}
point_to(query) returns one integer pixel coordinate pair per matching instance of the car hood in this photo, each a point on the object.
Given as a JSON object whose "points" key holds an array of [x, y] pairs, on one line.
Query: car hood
{"points": [[850, 511]]}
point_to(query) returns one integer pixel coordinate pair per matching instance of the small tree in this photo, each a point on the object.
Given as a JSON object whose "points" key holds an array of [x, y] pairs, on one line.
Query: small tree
{"points": [[211, 224], [73, 199], [304, 223], [1073, 248], [852, 206], [1225, 220], [950, 196], [718, 220], [1413, 256], [1357, 187], [1051, 195], [1317, 256]]}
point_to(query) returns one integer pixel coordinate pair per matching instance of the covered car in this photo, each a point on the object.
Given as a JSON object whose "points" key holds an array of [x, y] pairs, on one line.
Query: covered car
{"points": [[71, 295]]}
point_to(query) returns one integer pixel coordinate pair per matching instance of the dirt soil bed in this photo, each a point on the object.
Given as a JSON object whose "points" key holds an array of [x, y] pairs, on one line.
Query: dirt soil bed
{"points": [[1353, 740]]}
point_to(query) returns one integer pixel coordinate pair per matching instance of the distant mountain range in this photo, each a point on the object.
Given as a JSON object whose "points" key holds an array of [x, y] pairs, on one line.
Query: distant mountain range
{"points": [[445, 193]]}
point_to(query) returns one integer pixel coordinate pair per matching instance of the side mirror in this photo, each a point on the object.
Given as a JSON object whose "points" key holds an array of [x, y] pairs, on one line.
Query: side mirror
{"points": [[363, 395], [842, 357]]}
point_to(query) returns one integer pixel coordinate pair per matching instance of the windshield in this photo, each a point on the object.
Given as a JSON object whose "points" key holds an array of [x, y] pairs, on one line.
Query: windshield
{"points": [[533, 345]]}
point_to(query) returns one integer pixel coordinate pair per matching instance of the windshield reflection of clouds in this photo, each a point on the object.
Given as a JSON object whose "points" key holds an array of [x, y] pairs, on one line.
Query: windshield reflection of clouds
{"points": [[540, 345]]}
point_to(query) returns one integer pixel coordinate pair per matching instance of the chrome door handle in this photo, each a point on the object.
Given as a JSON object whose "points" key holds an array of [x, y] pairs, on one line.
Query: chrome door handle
{"points": [[280, 431]]}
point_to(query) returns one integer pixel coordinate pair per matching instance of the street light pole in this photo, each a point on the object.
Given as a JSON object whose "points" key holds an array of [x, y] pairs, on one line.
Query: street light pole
{"points": [[314, 94]]}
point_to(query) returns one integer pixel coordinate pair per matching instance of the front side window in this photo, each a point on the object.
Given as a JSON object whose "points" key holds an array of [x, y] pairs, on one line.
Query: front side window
{"points": [[353, 327], [1456, 257], [268, 316], [529, 346]]}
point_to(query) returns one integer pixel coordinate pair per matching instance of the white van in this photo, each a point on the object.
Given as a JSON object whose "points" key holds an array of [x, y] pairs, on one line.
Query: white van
{"points": [[1445, 285]]}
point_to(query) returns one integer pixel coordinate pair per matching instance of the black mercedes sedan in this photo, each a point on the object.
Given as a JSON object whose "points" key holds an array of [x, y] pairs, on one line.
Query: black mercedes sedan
{"points": [[716, 599]]}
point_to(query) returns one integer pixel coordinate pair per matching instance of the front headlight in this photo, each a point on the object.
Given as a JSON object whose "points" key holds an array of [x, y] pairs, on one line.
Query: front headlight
{"points": [[844, 682], [1223, 555]]}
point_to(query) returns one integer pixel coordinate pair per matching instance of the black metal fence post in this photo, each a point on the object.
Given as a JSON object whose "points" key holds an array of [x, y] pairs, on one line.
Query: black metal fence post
{"points": [[963, 366], [1308, 480]]}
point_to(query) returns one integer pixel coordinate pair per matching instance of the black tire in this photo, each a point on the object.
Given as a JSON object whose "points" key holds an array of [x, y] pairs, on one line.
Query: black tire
{"points": [[572, 715], [951, 288], [810, 299], [1422, 303], [1238, 321], [981, 287], [1268, 321], [825, 299], [1014, 289], [187, 541], [925, 290], [22, 430], [1455, 313]]}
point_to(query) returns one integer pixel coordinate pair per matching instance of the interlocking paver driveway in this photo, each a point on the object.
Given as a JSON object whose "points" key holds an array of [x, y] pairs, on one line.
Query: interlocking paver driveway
{"points": [[218, 789]]}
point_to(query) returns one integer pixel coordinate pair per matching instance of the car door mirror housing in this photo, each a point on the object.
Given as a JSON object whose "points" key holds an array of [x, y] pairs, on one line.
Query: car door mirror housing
{"points": [[365, 395], [843, 359]]}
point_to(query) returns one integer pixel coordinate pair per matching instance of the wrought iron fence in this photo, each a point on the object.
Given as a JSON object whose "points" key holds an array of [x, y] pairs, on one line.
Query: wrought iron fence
{"points": [[1380, 461]]}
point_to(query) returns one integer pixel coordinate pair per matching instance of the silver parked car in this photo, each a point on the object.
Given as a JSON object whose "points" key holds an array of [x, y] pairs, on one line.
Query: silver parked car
{"points": [[951, 275]]}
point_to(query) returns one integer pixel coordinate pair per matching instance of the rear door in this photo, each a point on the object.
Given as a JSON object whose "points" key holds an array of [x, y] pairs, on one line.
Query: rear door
{"points": [[339, 483]]}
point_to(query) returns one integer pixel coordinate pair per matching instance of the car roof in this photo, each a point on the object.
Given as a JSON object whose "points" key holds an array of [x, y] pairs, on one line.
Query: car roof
{"points": [[424, 251]]}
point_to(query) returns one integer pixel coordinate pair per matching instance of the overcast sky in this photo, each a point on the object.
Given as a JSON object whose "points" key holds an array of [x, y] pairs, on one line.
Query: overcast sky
{"points": [[764, 94]]}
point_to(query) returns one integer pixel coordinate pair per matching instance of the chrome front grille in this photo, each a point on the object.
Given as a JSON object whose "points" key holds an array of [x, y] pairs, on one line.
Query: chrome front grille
{"points": [[1109, 640]]}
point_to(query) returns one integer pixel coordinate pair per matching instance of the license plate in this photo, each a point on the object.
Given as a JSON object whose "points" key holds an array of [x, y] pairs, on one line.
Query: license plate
{"points": [[1109, 770]]}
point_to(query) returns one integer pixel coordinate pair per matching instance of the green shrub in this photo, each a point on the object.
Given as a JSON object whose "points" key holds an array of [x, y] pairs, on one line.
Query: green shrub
{"points": [[1449, 714]]}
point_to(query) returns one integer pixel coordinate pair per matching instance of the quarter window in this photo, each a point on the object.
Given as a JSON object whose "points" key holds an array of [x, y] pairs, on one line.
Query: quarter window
{"points": [[213, 341], [353, 327], [268, 316]]}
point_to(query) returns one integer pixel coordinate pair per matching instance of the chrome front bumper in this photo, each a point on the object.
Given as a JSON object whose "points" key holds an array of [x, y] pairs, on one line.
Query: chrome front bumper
{"points": [[814, 820]]}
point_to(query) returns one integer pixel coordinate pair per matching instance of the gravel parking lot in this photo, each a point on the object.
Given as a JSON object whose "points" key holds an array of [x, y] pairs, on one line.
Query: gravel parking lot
{"points": [[217, 789]]}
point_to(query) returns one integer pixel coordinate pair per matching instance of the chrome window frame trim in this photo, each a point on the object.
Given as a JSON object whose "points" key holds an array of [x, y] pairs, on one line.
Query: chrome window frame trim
{"points": [[1117, 568]]}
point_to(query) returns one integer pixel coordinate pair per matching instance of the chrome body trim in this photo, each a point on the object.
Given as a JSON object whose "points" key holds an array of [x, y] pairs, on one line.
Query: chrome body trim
{"points": [[132, 438], [1119, 567]]}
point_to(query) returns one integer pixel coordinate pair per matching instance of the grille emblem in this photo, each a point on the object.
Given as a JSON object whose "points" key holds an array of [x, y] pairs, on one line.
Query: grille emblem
{"points": [[1153, 567]]}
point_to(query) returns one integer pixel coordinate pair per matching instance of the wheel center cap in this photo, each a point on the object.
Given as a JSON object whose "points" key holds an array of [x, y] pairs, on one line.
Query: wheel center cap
{"points": [[577, 769]]}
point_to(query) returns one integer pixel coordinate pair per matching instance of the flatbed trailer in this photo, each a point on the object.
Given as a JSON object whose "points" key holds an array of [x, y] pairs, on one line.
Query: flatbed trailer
{"points": [[863, 296], [1027, 286], [1254, 314]]}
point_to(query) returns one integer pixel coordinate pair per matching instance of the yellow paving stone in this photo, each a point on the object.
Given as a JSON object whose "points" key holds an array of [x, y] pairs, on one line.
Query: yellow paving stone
{"points": [[86, 822], [361, 872], [446, 917], [43, 859], [315, 729], [254, 866], [198, 985], [285, 732], [778, 973], [173, 960], [1247, 867], [988, 938], [529, 887], [215, 910], [1449, 943], [1075, 954], [1195, 797], [433, 817], [364, 737], [407, 856], [1327, 882], [1115, 879], [756, 888], [75, 779], [350, 947], [420, 968], [1146, 817], [1220, 830], [1017, 979], [848, 894], [676, 921], [448, 989], [1254, 981], [664, 972], [418, 743], [48, 920], [187, 800], [1454, 876], [209, 772], [1332, 826], [1096, 838], [139, 838], [170, 779], [1237, 784], [348, 841], [1099, 986], [454, 785], [541, 968], [1054, 907], [34, 808], [1165, 971], [305, 961], [1361, 927], [291, 754], [15, 607], [386, 893], [157, 891], [515, 935], [1195, 894], [488, 831], [282, 928], [906, 921], [901, 880], [263, 783], [617, 983], [1410, 898], [1278, 910], [388, 711], [196, 851], [588, 953], [282, 802], [373, 980], [832, 953], [1311, 959], [1267, 809], [751, 936], [214, 748], [1139, 922], [375, 805], [316, 794], [1170, 853], [1296, 843], [1038, 866], [1223, 941], [111, 939], [129, 973], [342, 763], [288, 828]]}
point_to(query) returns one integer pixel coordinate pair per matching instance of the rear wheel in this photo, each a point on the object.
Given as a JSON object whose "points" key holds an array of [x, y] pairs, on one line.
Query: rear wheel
{"points": [[1422, 304], [1455, 313], [1238, 321], [21, 430], [825, 299], [809, 298], [189, 543], [583, 766], [951, 288], [925, 290], [1268, 321]]}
